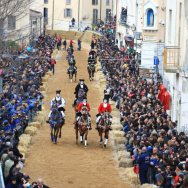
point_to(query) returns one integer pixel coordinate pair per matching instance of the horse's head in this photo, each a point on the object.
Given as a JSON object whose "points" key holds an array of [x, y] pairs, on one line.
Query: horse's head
{"points": [[84, 111]]}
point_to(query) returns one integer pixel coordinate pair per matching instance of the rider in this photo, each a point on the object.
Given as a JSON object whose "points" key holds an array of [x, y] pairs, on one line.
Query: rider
{"points": [[82, 104], [103, 107], [80, 107], [60, 103], [80, 86], [72, 62], [93, 53]]}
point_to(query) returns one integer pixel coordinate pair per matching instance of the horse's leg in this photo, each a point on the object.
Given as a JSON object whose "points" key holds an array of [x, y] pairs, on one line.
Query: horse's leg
{"points": [[51, 134], [76, 131], [81, 138], [106, 138], [100, 134], [60, 130], [71, 76], [55, 135], [75, 76], [86, 133], [92, 75]]}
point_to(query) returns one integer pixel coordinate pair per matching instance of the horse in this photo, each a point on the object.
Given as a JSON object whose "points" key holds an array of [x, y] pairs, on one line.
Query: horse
{"points": [[72, 72], [82, 125], [56, 123], [104, 126], [91, 70]]}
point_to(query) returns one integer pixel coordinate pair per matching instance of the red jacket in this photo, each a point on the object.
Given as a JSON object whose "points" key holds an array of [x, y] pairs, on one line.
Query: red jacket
{"points": [[79, 108], [53, 62], [102, 109]]}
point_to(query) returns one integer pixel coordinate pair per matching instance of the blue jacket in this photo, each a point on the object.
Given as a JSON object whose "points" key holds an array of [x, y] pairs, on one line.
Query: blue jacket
{"points": [[143, 161]]}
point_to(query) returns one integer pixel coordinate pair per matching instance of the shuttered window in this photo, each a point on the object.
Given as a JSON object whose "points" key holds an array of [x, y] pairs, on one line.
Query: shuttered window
{"points": [[67, 13]]}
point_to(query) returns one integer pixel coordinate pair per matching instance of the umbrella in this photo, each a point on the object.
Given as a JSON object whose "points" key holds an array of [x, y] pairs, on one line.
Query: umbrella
{"points": [[23, 56]]}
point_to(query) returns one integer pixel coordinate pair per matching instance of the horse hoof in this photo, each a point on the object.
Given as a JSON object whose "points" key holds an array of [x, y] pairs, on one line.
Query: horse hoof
{"points": [[100, 143], [104, 145], [59, 136], [81, 142]]}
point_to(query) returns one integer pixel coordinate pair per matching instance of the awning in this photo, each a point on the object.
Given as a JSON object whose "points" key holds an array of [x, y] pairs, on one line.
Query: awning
{"points": [[129, 38]]}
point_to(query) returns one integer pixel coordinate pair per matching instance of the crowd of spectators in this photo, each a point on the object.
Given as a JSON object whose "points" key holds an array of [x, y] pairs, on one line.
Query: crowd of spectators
{"points": [[19, 103], [158, 150]]}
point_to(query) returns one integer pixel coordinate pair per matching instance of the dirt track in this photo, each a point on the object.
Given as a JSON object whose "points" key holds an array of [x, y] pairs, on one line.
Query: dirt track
{"points": [[67, 165]]}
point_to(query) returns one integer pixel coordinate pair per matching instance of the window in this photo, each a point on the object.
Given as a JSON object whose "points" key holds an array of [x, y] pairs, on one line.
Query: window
{"points": [[150, 18], [95, 16], [94, 2], [67, 13], [68, 2], [107, 2], [108, 14], [46, 15], [45, 1], [11, 22]]}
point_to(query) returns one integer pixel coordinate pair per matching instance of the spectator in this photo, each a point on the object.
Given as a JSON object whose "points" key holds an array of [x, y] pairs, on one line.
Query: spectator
{"points": [[79, 44], [73, 22], [40, 184], [65, 44], [53, 62]]}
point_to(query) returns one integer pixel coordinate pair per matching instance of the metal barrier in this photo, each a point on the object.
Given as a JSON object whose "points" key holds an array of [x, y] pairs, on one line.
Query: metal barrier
{"points": [[2, 184]]}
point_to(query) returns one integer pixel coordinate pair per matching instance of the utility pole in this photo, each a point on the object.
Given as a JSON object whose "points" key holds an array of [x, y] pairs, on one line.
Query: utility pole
{"points": [[100, 9], [78, 15], [52, 17], [112, 12]]}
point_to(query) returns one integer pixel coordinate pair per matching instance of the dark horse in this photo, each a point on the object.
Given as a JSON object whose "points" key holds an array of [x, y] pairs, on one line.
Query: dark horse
{"points": [[91, 70], [55, 121], [72, 71], [82, 126], [103, 127]]}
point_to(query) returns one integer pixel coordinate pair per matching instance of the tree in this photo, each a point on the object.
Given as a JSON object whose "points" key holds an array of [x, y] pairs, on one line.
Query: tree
{"points": [[12, 8]]}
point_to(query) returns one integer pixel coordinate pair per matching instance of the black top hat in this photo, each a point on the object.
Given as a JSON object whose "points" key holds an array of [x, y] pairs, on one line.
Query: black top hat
{"points": [[58, 91], [81, 80]]}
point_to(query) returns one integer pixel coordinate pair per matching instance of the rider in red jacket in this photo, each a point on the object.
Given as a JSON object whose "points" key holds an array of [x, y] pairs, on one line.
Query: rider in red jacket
{"points": [[82, 104], [79, 109], [104, 107]]}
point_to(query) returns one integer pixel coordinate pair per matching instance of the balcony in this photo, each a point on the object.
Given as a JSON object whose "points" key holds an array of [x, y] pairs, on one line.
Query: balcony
{"points": [[171, 59]]}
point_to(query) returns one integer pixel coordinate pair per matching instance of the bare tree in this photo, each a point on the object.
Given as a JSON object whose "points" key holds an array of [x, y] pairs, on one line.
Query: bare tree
{"points": [[12, 8]]}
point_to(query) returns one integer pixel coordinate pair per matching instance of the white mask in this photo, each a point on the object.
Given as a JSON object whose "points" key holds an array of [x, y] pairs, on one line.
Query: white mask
{"points": [[105, 101]]}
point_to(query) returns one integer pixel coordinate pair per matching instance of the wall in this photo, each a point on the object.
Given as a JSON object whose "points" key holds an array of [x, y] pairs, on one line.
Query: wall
{"points": [[85, 15]]}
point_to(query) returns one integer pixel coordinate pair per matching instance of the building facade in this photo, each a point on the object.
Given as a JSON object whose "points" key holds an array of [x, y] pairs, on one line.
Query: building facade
{"points": [[176, 60], [22, 27], [163, 26], [59, 13]]}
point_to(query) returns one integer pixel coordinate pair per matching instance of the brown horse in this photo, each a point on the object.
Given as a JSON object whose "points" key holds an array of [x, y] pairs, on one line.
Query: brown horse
{"points": [[103, 127], [82, 126]]}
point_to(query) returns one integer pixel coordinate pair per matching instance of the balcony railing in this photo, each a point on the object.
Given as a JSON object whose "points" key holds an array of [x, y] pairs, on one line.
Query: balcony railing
{"points": [[171, 58]]}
